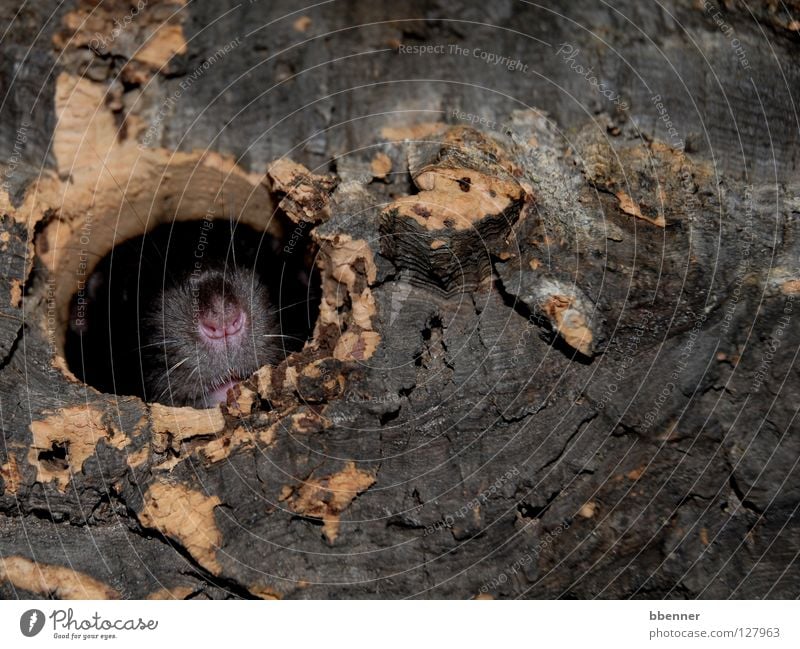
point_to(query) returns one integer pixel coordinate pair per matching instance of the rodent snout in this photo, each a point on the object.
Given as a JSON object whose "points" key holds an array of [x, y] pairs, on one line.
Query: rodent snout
{"points": [[220, 302], [217, 324]]}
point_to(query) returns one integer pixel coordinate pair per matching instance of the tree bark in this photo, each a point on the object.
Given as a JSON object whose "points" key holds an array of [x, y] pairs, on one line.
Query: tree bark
{"points": [[556, 350]]}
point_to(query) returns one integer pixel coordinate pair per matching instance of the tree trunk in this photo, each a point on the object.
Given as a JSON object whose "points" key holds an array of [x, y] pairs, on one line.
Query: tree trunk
{"points": [[556, 349]]}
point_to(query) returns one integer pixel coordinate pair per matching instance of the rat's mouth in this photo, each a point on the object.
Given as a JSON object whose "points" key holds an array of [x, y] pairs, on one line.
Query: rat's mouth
{"points": [[220, 394], [216, 389]]}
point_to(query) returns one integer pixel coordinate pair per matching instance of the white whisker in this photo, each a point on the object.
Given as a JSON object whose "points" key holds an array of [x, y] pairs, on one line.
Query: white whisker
{"points": [[177, 365], [288, 306], [302, 340]]}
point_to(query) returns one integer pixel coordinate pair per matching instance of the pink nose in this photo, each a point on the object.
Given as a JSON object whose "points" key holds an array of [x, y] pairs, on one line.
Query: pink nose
{"points": [[216, 327]]}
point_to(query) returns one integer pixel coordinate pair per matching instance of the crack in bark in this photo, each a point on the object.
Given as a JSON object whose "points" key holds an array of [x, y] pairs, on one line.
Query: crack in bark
{"points": [[582, 424]]}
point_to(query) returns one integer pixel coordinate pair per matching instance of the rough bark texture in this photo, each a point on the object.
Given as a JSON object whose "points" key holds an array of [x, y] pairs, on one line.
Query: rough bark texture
{"points": [[556, 354]]}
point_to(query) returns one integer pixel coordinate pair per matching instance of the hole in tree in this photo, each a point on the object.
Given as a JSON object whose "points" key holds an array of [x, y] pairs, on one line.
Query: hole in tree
{"points": [[56, 458], [180, 314]]}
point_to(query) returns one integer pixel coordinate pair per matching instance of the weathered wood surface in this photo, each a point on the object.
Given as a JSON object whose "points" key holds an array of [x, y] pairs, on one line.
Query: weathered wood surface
{"points": [[555, 357]]}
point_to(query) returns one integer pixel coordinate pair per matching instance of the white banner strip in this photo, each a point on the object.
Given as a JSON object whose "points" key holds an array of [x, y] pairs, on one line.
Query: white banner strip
{"points": [[407, 625]]}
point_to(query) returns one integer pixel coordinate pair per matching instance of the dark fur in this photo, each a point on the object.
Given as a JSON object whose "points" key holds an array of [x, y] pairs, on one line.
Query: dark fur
{"points": [[178, 365]]}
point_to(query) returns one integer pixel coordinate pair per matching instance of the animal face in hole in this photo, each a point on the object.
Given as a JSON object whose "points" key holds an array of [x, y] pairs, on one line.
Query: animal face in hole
{"points": [[202, 335]]}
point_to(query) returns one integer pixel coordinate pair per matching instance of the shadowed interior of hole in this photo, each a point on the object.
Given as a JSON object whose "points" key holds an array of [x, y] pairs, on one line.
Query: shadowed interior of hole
{"points": [[104, 329]]}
